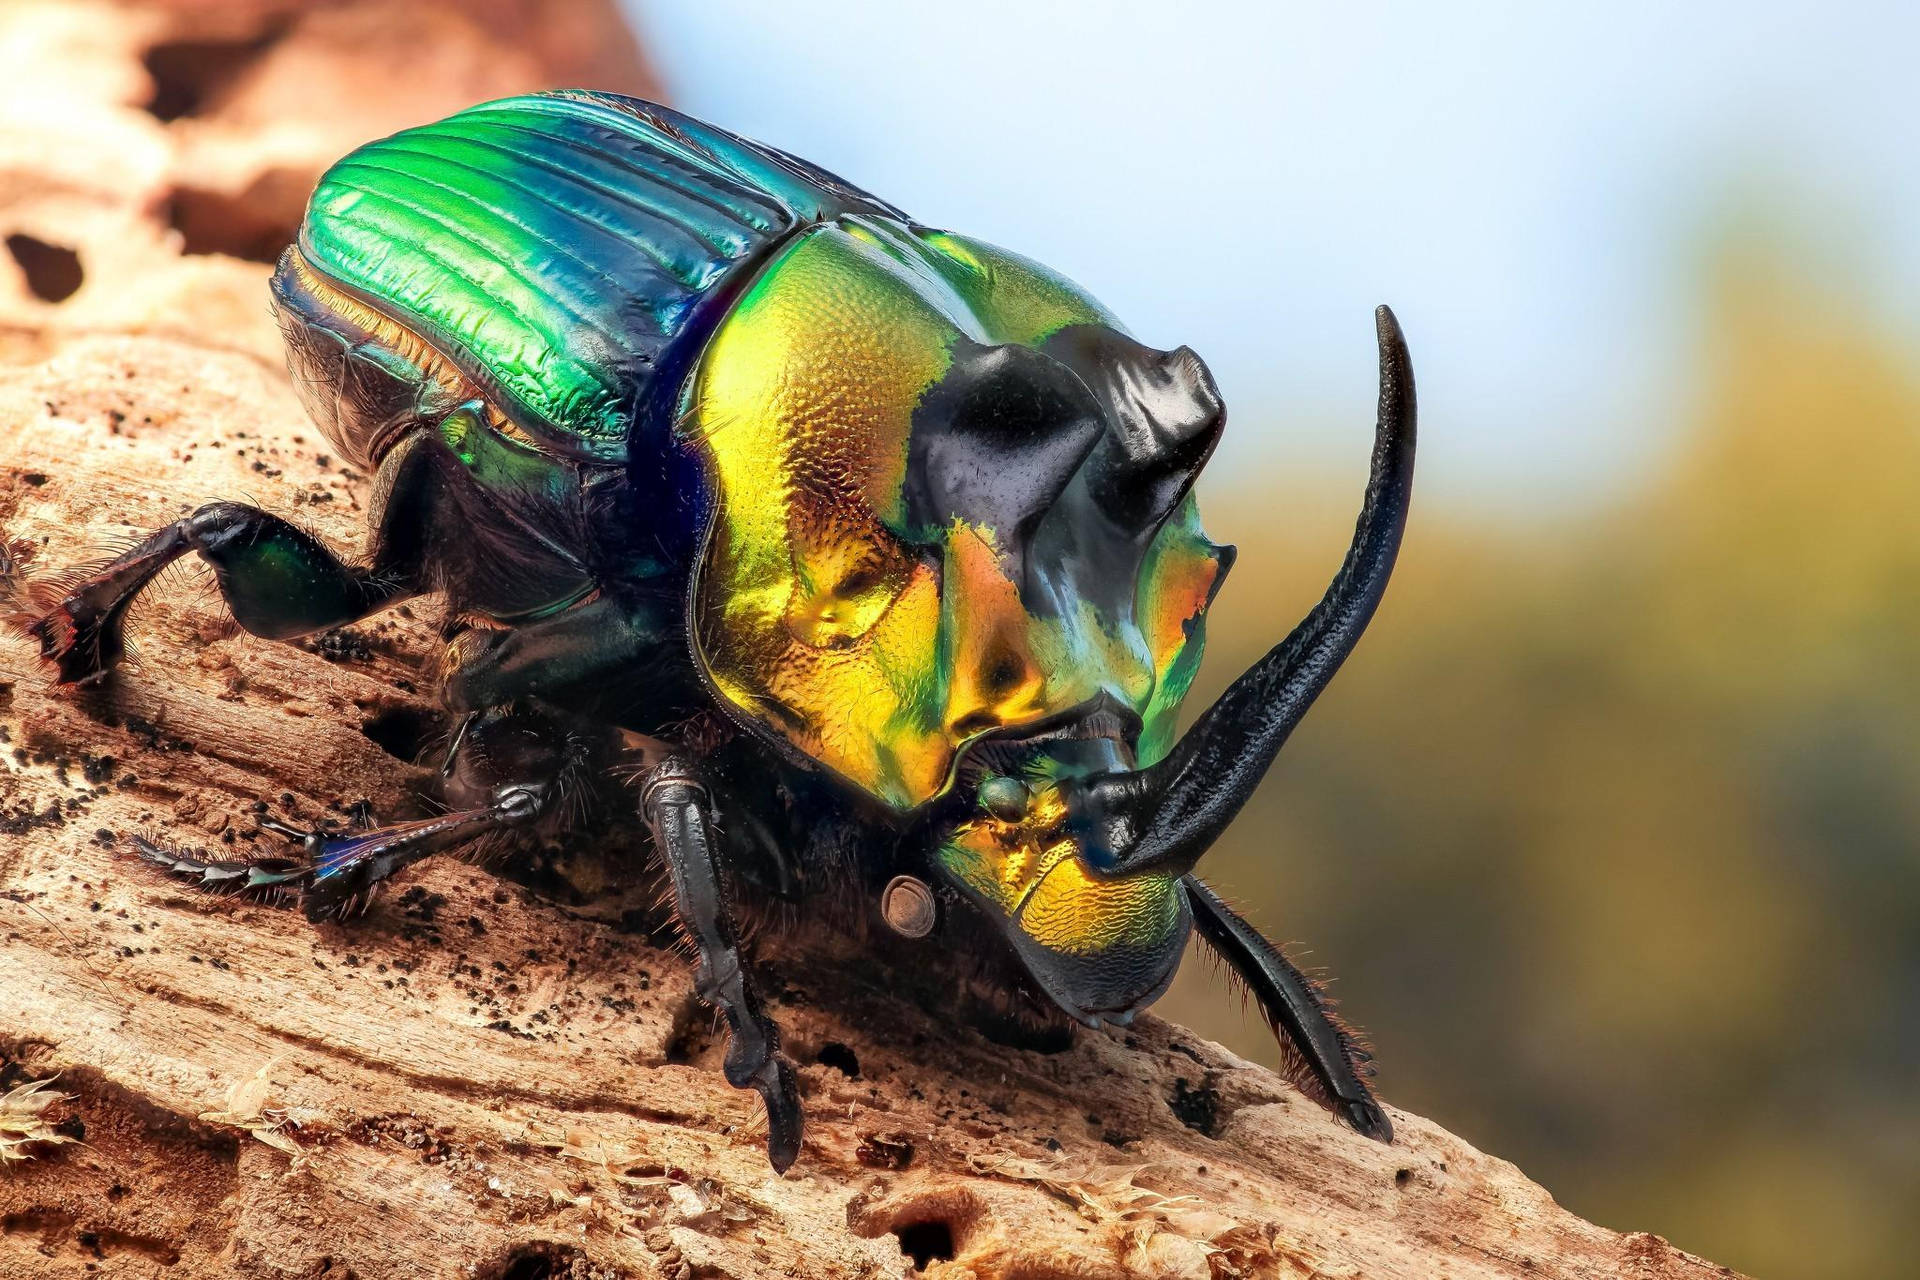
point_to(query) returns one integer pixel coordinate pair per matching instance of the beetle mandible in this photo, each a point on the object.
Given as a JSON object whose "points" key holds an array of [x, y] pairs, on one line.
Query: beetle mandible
{"points": [[880, 541]]}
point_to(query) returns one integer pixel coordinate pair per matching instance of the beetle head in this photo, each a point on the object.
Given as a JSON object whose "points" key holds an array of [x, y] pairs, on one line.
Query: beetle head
{"points": [[1100, 947], [1087, 865]]}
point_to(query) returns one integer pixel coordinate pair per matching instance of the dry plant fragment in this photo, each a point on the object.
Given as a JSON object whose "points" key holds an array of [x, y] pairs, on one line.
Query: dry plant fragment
{"points": [[23, 1119], [250, 1107]]}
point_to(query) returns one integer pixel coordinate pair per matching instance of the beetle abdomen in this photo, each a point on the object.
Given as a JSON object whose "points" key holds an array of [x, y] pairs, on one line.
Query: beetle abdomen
{"points": [[564, 253], [363, 380]]}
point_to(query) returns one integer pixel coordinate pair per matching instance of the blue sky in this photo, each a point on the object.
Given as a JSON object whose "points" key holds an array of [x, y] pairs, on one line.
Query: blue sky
{"points": [[1528, 185]]}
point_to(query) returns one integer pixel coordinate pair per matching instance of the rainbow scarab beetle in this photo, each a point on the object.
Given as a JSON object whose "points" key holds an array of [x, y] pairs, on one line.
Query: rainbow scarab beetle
{"points": [[879, 541]]}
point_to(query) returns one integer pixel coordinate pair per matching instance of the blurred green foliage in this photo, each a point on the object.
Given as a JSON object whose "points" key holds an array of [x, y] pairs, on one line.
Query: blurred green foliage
{"points": [[1610, 830]]}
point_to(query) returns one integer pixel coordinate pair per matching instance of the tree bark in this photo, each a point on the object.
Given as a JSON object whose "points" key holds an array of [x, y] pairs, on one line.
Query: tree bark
{"points": [[475, 1079]]}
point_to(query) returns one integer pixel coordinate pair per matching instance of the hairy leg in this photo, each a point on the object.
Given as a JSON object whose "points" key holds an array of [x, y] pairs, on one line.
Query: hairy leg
{"points": [[507, 771], [677, 807], [1294, 1005], [278, 580]]}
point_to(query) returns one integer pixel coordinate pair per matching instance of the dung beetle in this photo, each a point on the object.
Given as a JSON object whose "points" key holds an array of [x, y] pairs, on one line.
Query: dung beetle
{"points": [[860, 556]]}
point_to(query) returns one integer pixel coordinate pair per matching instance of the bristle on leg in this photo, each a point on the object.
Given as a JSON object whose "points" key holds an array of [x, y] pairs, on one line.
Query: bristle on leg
{"points": [[278, 881]]}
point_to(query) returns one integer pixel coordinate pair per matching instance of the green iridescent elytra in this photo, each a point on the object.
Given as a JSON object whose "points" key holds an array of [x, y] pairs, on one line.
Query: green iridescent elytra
{"points": [[559, 246]]}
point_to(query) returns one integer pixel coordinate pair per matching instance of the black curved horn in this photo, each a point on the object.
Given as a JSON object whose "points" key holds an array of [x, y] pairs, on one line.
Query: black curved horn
{"points": [[1165, 817]]}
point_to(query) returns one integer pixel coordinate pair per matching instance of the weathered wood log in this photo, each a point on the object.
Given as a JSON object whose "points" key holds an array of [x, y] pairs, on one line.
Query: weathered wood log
{"points": [[477, 1079]]}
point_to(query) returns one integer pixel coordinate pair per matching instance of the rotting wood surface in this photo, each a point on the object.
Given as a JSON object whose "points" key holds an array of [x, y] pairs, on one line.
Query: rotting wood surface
{"points": [[475, 1079]]}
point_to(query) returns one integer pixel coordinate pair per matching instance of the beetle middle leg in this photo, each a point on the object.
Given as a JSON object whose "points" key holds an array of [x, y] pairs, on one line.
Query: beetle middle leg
{"points": [[678, 808], [511, 770]]}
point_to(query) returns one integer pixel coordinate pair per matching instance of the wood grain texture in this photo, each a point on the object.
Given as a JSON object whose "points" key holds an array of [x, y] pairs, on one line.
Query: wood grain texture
{"points": [[480, 1080]]}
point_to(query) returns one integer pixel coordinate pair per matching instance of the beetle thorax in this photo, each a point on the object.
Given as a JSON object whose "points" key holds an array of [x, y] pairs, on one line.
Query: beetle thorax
{"points": [[893, 571]]}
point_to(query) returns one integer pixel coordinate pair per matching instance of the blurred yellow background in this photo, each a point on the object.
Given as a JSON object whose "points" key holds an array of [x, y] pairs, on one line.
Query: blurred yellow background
{"points": [[1610, 831]]}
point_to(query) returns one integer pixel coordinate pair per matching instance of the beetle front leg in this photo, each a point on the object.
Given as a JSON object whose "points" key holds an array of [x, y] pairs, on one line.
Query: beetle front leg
{"points": [[1293, 1005], [677, 807]]}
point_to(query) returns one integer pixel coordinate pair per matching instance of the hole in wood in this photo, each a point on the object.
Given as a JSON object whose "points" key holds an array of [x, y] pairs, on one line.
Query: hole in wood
{"points": [[539, 1260], [1197, 1106], [190, 75], [925, 1241], [839, 1056], [254, 223], [52, 270], [403, 732]]}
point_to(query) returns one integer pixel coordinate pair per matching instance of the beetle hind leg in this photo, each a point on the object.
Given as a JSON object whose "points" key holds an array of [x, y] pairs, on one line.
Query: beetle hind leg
{"points": [[279, 581], [77, 619]]}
